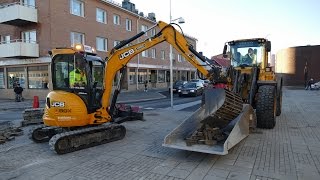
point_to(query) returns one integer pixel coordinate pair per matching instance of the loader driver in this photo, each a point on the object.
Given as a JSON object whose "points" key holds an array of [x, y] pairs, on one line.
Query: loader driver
{"points": [[248, 58], [77, 77]]}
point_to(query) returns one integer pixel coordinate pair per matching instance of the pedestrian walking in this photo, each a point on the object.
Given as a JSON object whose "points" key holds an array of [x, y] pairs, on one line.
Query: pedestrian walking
{"points": [[146, 86], [18, 92]]}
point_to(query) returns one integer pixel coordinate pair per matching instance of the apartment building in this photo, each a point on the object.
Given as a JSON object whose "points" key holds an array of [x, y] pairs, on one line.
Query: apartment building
{"points": [[29, 28]]}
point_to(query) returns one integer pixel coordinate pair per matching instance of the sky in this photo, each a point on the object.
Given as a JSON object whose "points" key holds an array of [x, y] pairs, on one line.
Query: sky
{"points": [[286, 23]]}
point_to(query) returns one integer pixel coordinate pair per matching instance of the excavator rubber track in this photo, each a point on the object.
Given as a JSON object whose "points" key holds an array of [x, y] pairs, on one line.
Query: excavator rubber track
{"points": [[43, 133], [84, 138]]}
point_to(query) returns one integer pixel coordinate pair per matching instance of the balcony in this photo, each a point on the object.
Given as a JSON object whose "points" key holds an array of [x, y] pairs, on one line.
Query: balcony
{"points": [[19, 49], [18, 14]]}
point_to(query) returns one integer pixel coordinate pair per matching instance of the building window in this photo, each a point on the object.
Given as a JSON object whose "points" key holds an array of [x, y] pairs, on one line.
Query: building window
{"points": [[101, 16], [102, 44], [116, 19], [5, 39], [29, 3], [192, 75], [77, 8], [173, 56], [16, 75], [115, 43], [179, 57], [142, 76], [38, 77], [132, 76], [1, 78], [153, 53], [128, 24], [153, 32], [29, 36], [144, 28], [161, 75], [163, 55], [77, 38], [144, 53]]}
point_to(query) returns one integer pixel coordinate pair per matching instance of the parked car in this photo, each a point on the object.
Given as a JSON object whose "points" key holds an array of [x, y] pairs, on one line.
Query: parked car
{"points": [[177, 86], [191, 89], [204, 82]]}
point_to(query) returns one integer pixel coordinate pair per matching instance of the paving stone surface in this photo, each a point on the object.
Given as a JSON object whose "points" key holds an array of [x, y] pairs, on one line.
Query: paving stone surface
{"points": [[289, 151]]}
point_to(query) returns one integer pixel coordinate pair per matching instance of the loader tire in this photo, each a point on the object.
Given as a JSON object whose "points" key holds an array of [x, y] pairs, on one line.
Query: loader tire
{"points": [[279, 103], [279, 98], [266, 107]]}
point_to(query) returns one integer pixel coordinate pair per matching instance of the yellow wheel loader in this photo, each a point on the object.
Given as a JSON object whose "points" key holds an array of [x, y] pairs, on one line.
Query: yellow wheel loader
{"points": [[220, 124], [254, 79], [80, 112]]}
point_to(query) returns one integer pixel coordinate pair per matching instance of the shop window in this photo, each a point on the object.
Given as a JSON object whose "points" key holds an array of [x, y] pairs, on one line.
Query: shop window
{"points": [[142, 75], [16, 75], [132, 76], [1, 78], [193, 75], [183, 75], [161, 76], [38, 77]]}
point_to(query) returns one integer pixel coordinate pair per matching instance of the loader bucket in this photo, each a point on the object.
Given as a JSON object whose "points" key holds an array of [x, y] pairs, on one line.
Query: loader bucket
{"points": [[235, 130]]}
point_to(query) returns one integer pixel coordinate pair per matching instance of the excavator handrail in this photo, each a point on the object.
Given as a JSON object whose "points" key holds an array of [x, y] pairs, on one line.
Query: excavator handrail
{"points": [[120, 55]]}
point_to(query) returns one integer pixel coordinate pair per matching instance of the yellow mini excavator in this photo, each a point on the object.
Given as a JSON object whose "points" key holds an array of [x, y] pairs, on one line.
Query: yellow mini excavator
{"points": [[80, 112]]}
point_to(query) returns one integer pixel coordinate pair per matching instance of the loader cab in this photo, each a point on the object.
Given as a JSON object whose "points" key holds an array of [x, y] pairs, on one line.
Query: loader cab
{"points": [[78, 72], [249, 53]]}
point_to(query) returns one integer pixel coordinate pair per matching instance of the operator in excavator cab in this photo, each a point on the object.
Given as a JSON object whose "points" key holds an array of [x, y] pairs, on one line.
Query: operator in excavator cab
{"points": [[248, 58], [77, 77]]}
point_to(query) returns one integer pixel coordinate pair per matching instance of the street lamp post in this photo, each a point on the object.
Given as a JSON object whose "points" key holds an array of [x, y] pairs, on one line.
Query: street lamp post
{"points": [[180, 21]]}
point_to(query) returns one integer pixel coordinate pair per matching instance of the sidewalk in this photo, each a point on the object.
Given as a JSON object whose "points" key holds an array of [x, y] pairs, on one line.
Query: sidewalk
{"points": [[124, 97]]}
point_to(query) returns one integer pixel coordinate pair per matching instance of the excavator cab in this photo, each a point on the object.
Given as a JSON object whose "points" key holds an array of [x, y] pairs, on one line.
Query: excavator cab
{"points": [[77, 74]]}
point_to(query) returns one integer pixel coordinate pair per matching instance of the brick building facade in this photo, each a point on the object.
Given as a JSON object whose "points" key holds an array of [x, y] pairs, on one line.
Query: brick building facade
{"points": [[29, 28], [291, 63]]}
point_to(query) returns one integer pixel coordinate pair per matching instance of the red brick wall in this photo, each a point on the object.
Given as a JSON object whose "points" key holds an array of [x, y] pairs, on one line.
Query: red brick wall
{"points": [[290, 64], [56, 23]]}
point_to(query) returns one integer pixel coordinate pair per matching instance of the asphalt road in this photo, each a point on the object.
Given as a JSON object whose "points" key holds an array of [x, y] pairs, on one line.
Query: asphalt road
{"points": [[180, 103]]}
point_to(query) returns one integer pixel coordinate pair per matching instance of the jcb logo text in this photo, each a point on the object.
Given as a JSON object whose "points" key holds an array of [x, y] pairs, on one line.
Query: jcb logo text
{"points": [[57, 104], [126, 54]]}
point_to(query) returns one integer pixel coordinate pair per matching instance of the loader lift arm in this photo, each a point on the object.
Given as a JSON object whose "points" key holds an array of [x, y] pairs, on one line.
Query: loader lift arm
{"points": [[119, 57]]}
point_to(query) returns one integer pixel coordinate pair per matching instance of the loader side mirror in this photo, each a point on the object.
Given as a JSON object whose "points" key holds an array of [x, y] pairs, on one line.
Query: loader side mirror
{"points": [[225, 51], [268, 46]]}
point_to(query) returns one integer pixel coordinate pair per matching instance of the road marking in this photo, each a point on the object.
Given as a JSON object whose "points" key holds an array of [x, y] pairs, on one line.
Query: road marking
{"points": [[183, 106], [149, 108]]}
